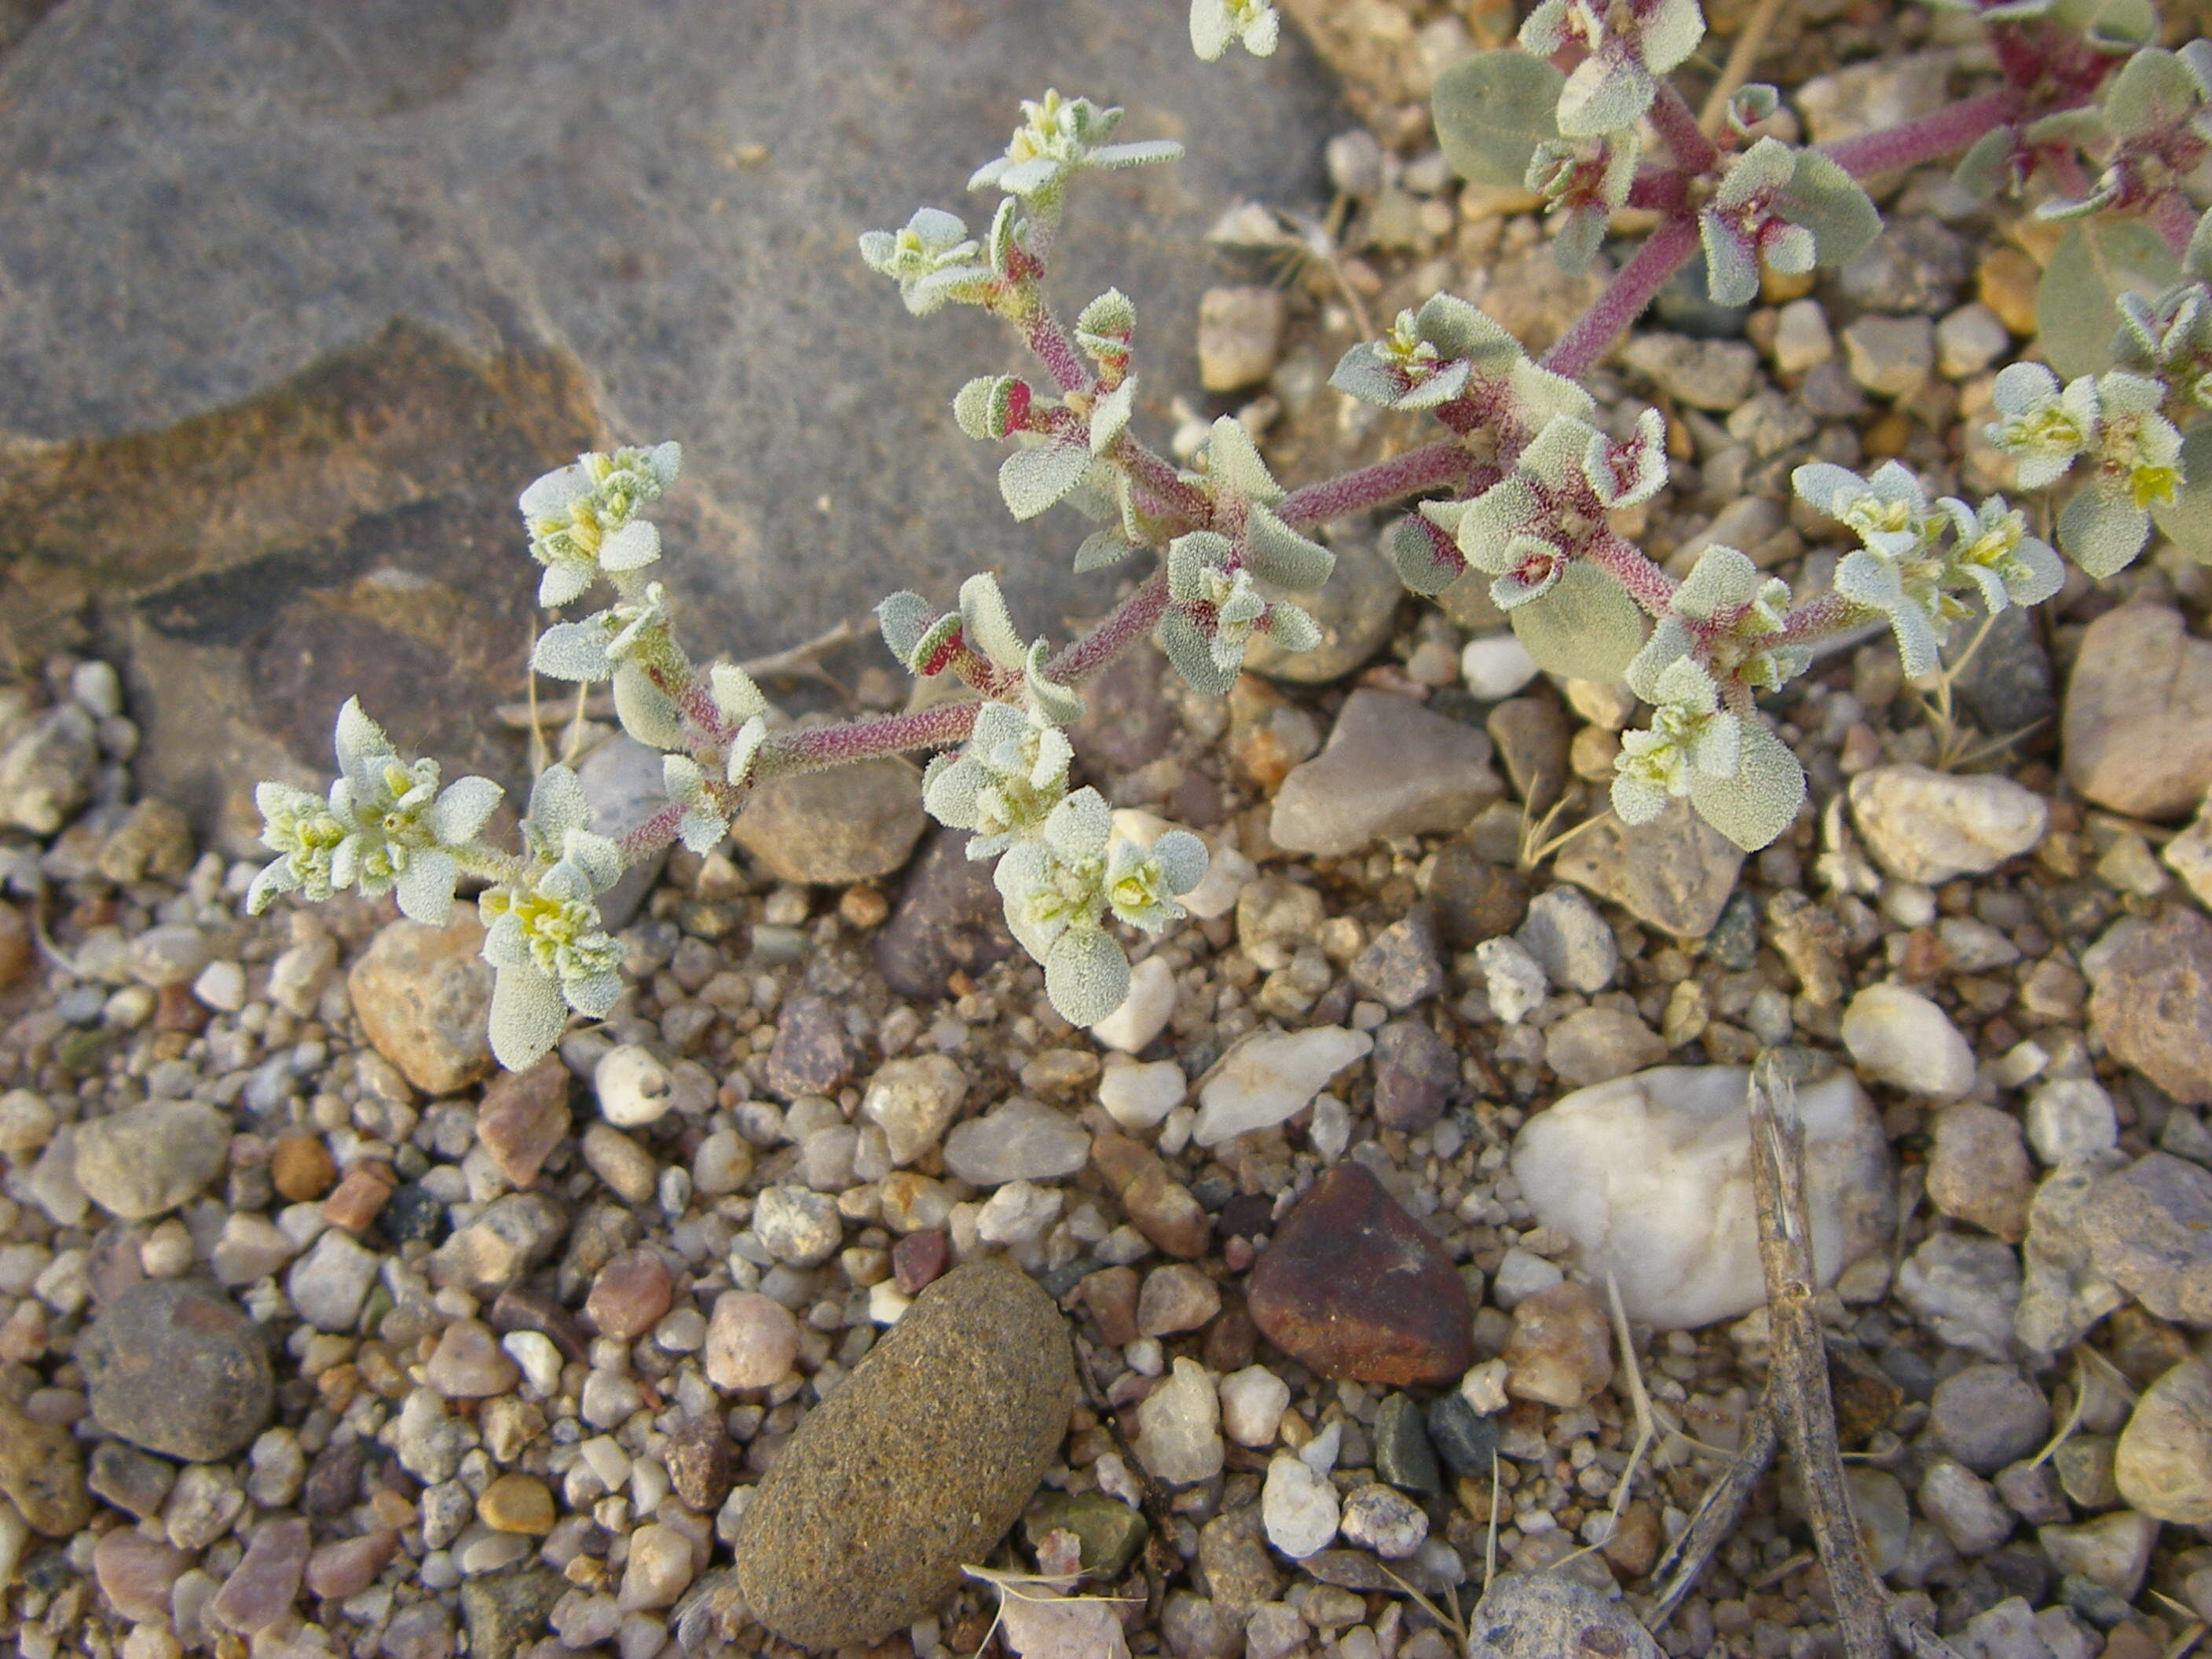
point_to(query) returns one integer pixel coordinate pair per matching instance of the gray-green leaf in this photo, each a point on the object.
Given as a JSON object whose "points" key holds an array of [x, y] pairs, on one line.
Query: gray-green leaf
{"points": [[1492, 110], [1586, 628], [2186, 520], [1828, 202], [1756, 804], [2076, 304], [1031, 480]]}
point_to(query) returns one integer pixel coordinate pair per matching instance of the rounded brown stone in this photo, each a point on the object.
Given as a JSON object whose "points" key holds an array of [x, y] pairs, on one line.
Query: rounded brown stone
{"points": [[1353, 1287], [919, 1462], [178, 1371], [301, 1168]]}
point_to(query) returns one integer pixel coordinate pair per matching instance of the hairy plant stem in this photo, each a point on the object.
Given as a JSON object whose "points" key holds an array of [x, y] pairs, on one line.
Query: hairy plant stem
{"points": [[2174, 220], [1651, 588], [1928, 138], [1665, 251], [1155, 478], [1056, 348], [1426, 468], [1818, 619], [1677, 124]]}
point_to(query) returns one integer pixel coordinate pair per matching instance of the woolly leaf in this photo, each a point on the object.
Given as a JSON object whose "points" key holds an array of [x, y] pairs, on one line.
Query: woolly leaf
{"points": [[1110, 416], [1427, 563], [1492, 111], [573, 651], [1233, 462], [1458, 329], [1086, 975], [1187, 647], [1100, 549], [1360, 374], [1060, 704], [904, 617], [1986, 167], [987, 625], [2102, 533], [527, 1017], [2154, 89], [1758, 802], [2076, 303], [1291, 628], [645, 710], [984, 406], [932, 650], [2123, 24], [1280, 555], [2197, 260], [1828, 202], [1031, 480], [1105, 326], [2186, 520], [1586, 628], [735, 694], [1190, 557]]}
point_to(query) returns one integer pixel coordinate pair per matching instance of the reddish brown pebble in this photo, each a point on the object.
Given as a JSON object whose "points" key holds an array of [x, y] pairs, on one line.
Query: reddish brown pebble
{"points": [[360, 1195], [301, 1168], [699, 1463], [864, 907], [1111, 1295], [1230, 1339], [523, 1118], [15, 953], [262, 1588], [1159, 1205], [1353, 1288], [350, 1566], [176, 1009], [916, 1260], [630, 1295], [1560, 1350]]}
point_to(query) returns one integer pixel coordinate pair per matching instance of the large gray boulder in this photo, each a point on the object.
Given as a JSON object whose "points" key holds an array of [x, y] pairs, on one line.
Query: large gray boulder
{"points": [[294, 300]]}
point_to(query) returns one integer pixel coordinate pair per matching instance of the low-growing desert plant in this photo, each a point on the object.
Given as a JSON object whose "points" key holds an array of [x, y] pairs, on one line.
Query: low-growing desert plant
{"points": [[1523, 483]]}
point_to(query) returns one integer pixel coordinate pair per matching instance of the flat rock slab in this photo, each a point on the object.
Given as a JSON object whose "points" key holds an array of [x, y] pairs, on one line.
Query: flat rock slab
{"points": [[176, 1370], [1353, 1287], [1391, 767], [2151, 998], [276, 428], [1674, 872], [919, 1462], [2138, 722]]}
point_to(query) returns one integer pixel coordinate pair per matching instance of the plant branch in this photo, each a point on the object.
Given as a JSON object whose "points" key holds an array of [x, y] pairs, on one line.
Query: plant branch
{"points": [[1677, 124], [2174, 220], [816, 748], [1155, 476], [1665, 251], [1428, 467], [1647, 584], [1127, 623], [1928, 138], [1816, 619], [1056, 350]]}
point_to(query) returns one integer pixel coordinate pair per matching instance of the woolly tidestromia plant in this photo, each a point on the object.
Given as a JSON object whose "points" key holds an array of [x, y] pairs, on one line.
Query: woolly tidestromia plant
{"points": [[1520, 481]]}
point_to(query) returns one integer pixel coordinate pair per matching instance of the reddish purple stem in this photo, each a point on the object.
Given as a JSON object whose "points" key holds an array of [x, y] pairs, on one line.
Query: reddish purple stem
{"points": [[1815, 619], [1666, 251], [1128, 621], [1647, 584], [1677, 122], [1057, 352], [1928, 138], [1429, 467], [2174, 220]]}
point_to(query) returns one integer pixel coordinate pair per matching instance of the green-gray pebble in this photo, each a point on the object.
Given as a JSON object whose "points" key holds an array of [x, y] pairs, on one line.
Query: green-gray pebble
{"points": [[1109, 1533], [918, 1464]]}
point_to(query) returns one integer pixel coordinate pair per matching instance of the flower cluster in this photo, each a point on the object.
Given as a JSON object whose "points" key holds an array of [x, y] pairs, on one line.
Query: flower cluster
{"points": [[2111, 422], [1058, 138], [1061, 884], [933, 260], [586, 520], [1626, 44], [542, 934], [385, 827], [1907, 569], [1251, 24]]}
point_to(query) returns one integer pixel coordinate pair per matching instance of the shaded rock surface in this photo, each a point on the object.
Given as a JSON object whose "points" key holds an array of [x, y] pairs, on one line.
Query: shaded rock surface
{"points": [[1353, 1287], [2138, 723], [268, 550], [1674, 872], [176, 1370], [1390, 768], [948, 919], [2151, 998], [920, 1461], [1650, 1176]]}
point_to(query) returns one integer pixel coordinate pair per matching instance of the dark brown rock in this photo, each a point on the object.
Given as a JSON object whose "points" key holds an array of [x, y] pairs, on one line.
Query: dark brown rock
{"points": [[1353, 1287], [1473, 899], [917, 1260], [1156, 1204], [699, 1463], [1111, 1295], [919, 1462], [948, 919], [523, 1118], [1531, 734], [2151, 1000], [178, 1371], [812, 1055]]}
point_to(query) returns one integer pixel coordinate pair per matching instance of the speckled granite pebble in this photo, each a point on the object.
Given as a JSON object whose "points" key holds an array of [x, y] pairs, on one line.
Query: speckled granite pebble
{"points": [[919, 1462]]}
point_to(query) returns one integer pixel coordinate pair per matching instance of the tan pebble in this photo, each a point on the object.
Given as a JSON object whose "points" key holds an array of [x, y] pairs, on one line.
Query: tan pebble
{"points": [[359, 1196], [301, 1168], [517, 1502]]}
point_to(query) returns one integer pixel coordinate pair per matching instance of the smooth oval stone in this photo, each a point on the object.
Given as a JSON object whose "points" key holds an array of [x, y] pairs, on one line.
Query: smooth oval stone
{"points": [[1353, 1287], [176, 1370], [922, 1460]]}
